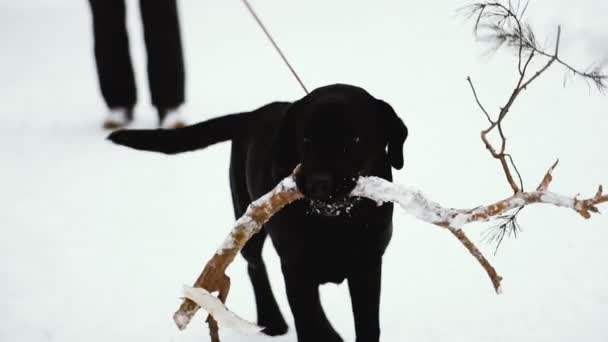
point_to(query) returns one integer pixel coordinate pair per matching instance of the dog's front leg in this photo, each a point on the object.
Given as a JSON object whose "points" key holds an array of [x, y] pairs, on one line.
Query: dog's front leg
{"points": [[303, 295], [364, 287]]}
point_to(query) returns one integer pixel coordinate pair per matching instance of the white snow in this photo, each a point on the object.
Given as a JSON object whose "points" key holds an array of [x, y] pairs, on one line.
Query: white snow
{"points": [[558, 199], [224, 317], [81, 216], [181, 320], [410, 199]]}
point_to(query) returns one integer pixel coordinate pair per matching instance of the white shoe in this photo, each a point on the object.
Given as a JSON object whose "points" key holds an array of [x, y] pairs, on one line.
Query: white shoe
{"points": [[171, 119], [117, 118]]}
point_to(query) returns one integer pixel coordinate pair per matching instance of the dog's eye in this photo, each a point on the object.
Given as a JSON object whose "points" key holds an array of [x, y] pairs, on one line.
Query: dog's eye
{"points": [[306, 144], [353, 146]]}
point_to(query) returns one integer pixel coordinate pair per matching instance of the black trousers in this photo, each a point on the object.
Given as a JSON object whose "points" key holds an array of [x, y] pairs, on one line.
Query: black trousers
{"points": [[163, 47]]}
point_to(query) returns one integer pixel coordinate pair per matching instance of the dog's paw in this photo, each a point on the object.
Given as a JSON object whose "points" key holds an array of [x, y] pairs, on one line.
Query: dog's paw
{"points": [[274, 328], [335, 338], [332, 336]]}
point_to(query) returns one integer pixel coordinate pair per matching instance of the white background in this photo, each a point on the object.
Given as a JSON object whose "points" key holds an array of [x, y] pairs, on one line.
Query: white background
{"points": [[97, 240]]}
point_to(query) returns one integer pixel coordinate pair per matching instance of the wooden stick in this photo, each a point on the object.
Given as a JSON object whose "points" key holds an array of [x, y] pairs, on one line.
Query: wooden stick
{"points": [[412, 201], [214, 278]]}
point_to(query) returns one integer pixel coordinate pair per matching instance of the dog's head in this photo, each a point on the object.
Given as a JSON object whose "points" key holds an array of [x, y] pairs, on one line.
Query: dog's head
{"points": [[338, 133]]}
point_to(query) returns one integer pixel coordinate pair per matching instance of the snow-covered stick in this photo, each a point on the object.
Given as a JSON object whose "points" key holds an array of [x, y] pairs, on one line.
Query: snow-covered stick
{"points": [[414, 202], [213, 278]]}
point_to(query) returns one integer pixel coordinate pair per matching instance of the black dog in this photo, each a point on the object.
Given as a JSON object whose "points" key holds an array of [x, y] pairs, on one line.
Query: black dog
{"points": [[337, 133]]}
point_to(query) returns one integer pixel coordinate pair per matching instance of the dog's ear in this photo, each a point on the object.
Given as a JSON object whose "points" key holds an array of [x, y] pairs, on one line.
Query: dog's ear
{"points": [[284, 148], [396, 133]]}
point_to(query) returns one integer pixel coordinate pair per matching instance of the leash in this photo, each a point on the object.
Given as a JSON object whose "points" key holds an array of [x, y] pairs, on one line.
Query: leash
{"points": [[276, 47]]}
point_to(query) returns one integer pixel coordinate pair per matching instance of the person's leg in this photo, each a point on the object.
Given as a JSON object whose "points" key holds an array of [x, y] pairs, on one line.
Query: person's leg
{"points": [[114, 67], [165, 57]]}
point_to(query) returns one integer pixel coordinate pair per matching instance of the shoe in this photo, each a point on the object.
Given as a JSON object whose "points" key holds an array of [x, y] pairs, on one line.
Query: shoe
{"points": [[118, 117], [170, 119]]}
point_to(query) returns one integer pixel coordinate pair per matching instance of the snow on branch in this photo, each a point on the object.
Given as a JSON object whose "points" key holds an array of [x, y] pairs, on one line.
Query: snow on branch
{"points": [[216, 308], [415, 203]]}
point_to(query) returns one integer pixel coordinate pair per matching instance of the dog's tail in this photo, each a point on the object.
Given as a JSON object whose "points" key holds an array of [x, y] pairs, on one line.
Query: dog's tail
{"points": [[189, 138]]}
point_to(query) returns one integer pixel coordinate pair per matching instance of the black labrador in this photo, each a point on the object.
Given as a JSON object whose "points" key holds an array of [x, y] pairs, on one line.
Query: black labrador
{"points": [[338, 133]]}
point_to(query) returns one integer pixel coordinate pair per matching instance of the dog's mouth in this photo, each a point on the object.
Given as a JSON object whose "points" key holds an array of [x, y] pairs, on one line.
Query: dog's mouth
{"points": [[333, 200], [332, 207]]}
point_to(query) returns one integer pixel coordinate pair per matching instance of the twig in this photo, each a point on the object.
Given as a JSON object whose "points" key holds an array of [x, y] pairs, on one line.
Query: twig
{"points": [[477, 100], [507, 26], [470, 246]]}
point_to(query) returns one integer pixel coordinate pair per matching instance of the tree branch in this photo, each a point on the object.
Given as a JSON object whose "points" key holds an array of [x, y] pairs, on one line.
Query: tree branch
{"points": [[412, 201], [505, 25], [213, 277]]}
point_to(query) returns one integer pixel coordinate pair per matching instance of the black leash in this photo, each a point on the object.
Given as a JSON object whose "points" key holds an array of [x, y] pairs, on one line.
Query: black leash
{"points": [[276, 47]]}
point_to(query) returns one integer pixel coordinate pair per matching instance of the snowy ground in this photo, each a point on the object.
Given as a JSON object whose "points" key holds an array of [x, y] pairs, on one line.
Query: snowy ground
{"points": [[97, 240]]}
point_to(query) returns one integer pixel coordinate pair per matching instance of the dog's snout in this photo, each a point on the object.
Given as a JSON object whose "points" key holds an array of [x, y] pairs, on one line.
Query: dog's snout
{"points": [[320, 185]]}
